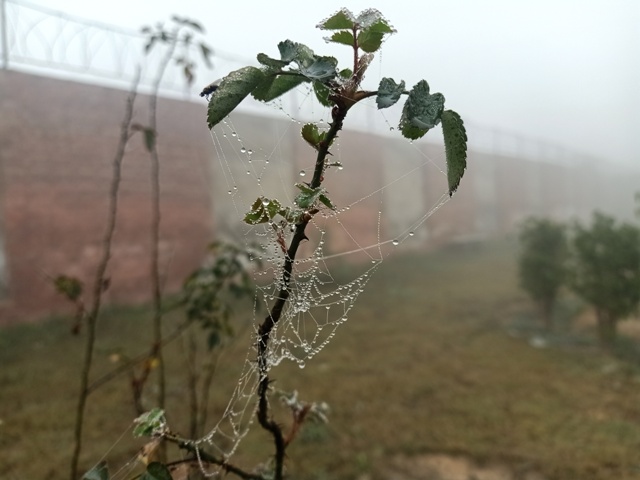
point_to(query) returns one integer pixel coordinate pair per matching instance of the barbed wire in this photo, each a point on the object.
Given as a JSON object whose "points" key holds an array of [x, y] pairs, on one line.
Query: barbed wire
{"points": [[50, 41]]}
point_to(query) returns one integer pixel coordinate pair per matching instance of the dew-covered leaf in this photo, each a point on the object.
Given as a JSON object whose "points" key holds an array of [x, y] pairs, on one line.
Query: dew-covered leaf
{"points": [[231, 91], [307, 196], [271, 62], [322, 68], [455, 144], [370, 39], [326, 202], [421, 112], [322, 94], [344, 37], [149, 423], [312, 136], [262, 210], [274, 86], [340, 20], [156, 471], [389, 92], [99, 472], [370, 17], [296, 52]]}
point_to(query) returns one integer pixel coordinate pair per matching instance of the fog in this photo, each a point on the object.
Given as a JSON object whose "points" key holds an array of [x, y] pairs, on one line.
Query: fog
{"points": [[565, 72]]}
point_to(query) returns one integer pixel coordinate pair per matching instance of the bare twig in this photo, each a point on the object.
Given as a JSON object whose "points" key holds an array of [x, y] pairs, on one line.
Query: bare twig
{"points": [[92, 316]]}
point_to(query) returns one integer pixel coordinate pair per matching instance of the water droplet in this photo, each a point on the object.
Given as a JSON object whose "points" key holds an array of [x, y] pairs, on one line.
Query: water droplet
{"points": [[248, 172], [411, 234], [301, 364], [230, 192], [265, 202], [250, 152], [391, 129], [395, 242], [233, 134], [243, 150], [302, 173], [224, 135], [235, 187], [340, 167]]}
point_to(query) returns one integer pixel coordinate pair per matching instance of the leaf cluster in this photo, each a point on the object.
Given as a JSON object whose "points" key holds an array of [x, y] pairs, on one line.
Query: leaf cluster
{"points": [[209, 293], [185, 33]]}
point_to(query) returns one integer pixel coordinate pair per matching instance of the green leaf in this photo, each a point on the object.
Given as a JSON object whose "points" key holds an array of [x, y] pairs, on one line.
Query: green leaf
{"points": [[374, 29], [156, 471], [344, 37], [389, 92], [307, 196], [271, 62], [70, 287], [421, 112], [347, 73], [262, 211], [322, 94], [295, 52], [99, 472], [371, 17], [455, 144], [149, 139], [150, 423], [322, 68], [272, 87], [340, 20], [312, 135], [326, 202], [291, 215], [231, 91]]}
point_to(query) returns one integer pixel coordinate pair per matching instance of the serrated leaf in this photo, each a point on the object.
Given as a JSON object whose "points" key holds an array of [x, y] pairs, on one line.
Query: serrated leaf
{"points": [[312, 136], [322, 94], [344, 37], [271, 62], [421, 112], [291, 215], [262, 211], [99, 472], [231, 91], [371, 16], [296, 52], [342, 19], [156, 471], [272, 87], [307, 196], [322, 68], [326, 202], [389, 92], [370, 38], [455, 144]]}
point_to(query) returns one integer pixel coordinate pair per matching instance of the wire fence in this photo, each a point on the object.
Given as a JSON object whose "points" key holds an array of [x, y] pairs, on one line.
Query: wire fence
{"points": [[34, 38]]}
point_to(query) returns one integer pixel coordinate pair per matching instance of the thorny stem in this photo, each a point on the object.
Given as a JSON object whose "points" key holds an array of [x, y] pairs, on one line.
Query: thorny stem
{"points": [[264, 331], [92, 317]]}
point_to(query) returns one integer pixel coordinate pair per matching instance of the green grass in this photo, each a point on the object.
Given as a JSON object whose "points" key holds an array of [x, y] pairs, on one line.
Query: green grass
{"points": [[424, 364]]}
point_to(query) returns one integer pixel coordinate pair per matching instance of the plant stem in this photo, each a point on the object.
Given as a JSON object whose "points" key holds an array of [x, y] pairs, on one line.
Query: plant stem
{"points": [[264, 331], [92, 317]]}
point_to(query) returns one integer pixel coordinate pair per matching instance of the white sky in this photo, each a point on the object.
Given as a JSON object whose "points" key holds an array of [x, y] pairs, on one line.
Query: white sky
{"points": [[566, 71]]}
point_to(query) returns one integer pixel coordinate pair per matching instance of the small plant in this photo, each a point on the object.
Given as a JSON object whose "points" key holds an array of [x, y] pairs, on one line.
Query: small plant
{"points": [[339, 90], [607, 271], [543, 263]]}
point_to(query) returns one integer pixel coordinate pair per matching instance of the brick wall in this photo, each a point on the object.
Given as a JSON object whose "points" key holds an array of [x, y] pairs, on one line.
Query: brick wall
{"points": [[58, 139]]}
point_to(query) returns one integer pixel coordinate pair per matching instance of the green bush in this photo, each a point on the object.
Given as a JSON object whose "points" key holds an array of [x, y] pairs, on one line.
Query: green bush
{"points": [[606, 271], [543, 263]]}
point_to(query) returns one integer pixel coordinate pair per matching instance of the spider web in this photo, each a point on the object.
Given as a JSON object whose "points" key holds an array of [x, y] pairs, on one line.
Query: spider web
{"points": [[319, 300], [379, 205]]}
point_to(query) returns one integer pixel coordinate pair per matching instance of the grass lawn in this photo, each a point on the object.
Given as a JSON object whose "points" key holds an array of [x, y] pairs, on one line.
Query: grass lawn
{"points": [[428, 362]]}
